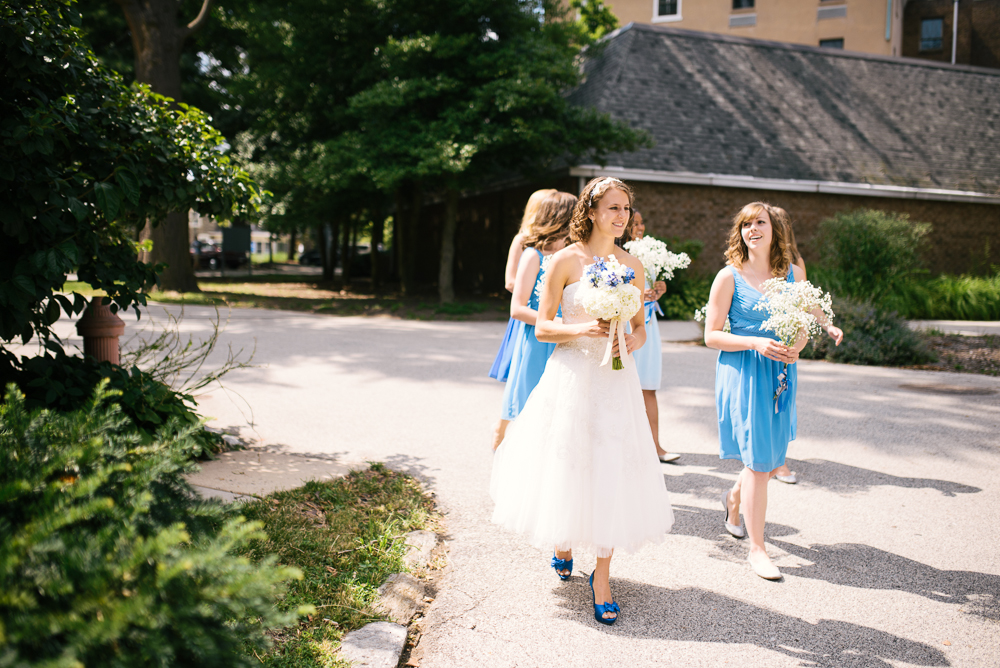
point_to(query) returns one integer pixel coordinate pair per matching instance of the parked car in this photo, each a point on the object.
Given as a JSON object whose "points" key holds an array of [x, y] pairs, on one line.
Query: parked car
{"points": [[311, 258], [205, 255]]}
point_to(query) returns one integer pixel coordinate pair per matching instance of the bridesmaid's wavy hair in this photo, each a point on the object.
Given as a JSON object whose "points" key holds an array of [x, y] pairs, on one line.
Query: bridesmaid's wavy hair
{"points": [[786, 220], [551, 221], [531, 208], [581, 227], [781, 254]]}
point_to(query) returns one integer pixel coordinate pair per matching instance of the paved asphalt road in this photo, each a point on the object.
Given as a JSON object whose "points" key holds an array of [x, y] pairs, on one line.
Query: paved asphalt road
{"points": [[889, 543]]}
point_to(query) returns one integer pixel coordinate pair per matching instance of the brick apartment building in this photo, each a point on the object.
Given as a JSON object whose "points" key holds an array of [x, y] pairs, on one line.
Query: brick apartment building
{"points": [[811, 129], [912, 28]]}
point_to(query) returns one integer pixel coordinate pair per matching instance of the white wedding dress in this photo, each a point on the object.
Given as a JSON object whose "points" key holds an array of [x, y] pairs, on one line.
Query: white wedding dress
{"points": [[578, 468]]}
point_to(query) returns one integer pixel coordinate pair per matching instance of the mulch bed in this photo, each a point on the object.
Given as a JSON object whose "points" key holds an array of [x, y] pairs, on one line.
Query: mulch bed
{"points": [[966, 354]]}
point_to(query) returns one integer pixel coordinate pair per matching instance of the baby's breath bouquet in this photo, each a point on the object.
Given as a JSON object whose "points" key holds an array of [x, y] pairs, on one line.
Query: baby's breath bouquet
{"points": [[658, 263], [606, 292], [790, 309]]}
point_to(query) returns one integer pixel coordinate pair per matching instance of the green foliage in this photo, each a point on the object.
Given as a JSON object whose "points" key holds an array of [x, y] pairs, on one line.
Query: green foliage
{"points": [[596, 18], [869, 255], [84, 161], [346, 536], [64, 383], [108, 557], [685, 293], [872, 336], [947, 297]]}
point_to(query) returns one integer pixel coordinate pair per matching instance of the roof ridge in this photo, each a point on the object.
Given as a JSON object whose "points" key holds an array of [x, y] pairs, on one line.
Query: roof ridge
{"points": [[789, 46]]}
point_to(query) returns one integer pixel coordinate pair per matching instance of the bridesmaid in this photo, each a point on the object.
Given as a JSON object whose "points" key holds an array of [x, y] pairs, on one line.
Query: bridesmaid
{"points": [[749, 363], [648, 359], [501, 364], [547, 235], [784, 474]]}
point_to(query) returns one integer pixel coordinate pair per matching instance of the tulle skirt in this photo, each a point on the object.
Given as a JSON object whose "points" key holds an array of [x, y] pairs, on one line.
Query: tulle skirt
{"points": [[578, 469]]}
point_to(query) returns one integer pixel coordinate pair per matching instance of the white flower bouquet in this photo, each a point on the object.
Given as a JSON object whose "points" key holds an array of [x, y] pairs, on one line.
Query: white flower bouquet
{"points": [[607, 293], [790, 309], [658, 263]]}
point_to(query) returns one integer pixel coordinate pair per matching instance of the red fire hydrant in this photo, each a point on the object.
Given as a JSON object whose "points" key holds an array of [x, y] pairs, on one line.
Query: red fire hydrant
{"points": [[100, 329]]}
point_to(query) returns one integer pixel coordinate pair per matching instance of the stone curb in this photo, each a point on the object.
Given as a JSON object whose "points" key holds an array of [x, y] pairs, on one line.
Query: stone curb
{"points": [[401, 596]]}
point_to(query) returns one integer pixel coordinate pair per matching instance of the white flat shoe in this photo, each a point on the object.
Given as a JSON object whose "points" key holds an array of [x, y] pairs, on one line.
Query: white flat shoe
{"points": [[668, 457], [735, 530], [764, 568], [790, 479]]}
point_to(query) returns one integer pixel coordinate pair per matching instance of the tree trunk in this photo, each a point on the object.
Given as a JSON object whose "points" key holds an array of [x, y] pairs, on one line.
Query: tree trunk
{"points": [[157, 39], [398, 245], [446, 273], [292, 241], [378, 224], [345, 254]]}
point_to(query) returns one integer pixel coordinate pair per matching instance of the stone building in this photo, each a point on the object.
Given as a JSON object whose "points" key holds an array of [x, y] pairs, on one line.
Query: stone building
{"points": [[814, 130]]}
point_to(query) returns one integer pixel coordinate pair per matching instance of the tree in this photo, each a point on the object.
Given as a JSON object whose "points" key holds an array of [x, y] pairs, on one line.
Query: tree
{"points": [[157, 40], [471, 91], [84, 161]]}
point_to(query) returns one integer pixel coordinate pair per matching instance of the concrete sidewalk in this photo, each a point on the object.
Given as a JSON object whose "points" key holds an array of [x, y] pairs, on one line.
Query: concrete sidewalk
{"points": [[886, 543]]}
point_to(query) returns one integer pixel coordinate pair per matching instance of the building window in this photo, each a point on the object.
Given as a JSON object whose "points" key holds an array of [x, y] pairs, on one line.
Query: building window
{"points": [[832, 43], [742, 20], [666, 10], [931, 31], [742, 4], [835, 12]]}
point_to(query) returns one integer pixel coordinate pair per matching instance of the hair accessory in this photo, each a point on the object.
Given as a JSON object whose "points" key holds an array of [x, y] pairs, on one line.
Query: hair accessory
{"points": [[599, 188]]}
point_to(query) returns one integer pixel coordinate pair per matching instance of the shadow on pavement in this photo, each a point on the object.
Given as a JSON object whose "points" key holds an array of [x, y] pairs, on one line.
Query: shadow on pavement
{"points": [[833, 476], [863, 566], [692, 614]]}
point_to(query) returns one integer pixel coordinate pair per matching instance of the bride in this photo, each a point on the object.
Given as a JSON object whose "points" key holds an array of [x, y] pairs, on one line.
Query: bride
{"points": [[578, 468]]}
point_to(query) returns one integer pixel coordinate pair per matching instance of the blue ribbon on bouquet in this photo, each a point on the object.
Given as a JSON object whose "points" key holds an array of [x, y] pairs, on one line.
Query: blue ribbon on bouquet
{"points": [[652, 307], [782, 396]]}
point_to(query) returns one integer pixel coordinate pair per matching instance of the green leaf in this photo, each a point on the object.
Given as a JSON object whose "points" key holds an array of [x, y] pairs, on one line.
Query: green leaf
{"points": [[51, 312], [78, 209], [128, 183], [108, 199], [25, 283]]}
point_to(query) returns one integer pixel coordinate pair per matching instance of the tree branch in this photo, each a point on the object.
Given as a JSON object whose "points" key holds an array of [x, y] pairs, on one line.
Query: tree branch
{"points": [[199, 20]]}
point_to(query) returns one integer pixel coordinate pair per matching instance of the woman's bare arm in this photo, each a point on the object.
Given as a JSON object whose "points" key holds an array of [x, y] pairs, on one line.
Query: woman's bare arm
{"points": [[513, 260], [527, 274]]}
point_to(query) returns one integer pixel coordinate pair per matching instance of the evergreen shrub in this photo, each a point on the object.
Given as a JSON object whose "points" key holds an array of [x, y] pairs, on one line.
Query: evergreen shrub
{"points": [[64, 383], [872, 336], [109, 559]]}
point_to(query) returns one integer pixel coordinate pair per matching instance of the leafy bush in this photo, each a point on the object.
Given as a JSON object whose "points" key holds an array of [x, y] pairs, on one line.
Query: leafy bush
{"points": [[869, 255], [872, 336], [108, 557], [948, 297], [64, 383], [685, 293]]}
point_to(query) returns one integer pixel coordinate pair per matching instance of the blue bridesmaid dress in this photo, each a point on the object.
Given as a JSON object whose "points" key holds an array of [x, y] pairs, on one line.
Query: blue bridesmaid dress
{"points": [[648, 360], [501, 365], [745, 382], [528, 356]]}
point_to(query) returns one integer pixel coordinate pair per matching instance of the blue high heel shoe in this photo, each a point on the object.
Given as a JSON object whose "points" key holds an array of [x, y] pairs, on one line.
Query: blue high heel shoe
{"points": [[602, 608], [562, 565]]}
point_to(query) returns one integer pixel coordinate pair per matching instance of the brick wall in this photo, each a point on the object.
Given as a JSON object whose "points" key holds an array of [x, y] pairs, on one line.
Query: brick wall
{"points": [[978, 31], [488, 222], [961, 232]]}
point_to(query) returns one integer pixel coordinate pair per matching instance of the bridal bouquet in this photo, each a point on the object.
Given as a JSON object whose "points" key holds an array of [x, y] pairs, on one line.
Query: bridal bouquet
{"points": [[657, 262], [789, 308], [607, 293]]}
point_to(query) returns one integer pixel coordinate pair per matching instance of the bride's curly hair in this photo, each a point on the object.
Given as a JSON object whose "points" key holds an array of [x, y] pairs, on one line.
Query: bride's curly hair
{"points": [[581, 227], [551, 220], [781, 252]]}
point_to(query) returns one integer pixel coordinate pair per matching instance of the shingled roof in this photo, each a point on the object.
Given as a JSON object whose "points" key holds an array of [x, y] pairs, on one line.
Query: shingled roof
{"points": [[723, 105]]}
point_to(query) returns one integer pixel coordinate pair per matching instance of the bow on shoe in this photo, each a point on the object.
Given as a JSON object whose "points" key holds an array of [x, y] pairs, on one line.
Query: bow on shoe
{"points": [[608, 607], [561, 564]]}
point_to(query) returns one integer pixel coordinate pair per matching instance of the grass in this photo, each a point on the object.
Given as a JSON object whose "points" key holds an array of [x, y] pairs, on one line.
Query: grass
{"points": [[264, 258], [346, 536]]}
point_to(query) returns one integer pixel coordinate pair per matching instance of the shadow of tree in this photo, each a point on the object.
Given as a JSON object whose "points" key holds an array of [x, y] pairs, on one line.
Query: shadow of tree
{"points": [[833, 476], [721, 619], [867, 567]]}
